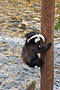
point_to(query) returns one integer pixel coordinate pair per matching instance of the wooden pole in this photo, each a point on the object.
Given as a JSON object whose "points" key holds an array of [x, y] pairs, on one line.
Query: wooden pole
{"points": [[47, 28]]}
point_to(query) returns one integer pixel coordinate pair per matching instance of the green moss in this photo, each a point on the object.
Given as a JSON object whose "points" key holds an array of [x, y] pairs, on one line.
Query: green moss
{"points": [[58, 5]]}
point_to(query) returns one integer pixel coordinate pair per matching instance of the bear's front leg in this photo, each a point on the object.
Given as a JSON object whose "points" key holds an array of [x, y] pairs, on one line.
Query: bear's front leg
{"points": [[40, 50]]}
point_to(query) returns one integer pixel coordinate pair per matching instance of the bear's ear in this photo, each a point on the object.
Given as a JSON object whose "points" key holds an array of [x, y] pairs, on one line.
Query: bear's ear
{"points": [[30, 34], [26, 35]]}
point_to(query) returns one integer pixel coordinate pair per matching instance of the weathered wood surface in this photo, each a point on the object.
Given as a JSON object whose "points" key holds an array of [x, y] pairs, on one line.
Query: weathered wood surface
{"points": [[47, 29]]}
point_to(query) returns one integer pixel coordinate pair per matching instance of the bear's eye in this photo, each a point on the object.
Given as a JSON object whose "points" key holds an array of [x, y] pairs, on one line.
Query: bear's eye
{"points": [[37, 39]]}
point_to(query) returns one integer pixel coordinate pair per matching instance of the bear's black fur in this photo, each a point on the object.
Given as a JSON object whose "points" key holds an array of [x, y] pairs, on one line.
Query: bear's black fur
{"points": [[30, 50]]}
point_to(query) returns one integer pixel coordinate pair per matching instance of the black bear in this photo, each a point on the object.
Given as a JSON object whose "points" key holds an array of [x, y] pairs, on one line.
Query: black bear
{"points": [[32, 48]]}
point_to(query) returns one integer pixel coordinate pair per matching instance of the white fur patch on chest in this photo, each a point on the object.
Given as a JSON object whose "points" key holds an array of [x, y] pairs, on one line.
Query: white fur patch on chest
{"points": [[39, 55], [37, 39]]}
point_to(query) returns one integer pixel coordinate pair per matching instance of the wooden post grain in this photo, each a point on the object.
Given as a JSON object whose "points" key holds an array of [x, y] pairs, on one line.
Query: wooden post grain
{"points": [[47, 28]]}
